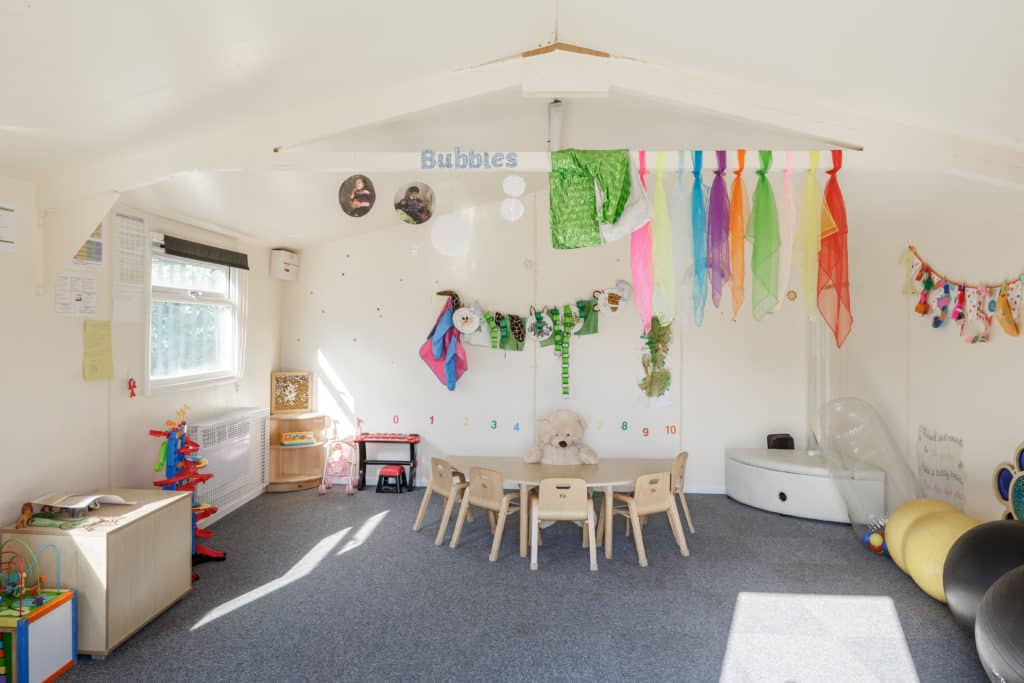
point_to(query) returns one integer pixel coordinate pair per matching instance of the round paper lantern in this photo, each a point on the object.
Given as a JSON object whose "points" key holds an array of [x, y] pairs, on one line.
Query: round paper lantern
{"points": [[514, 185], [512, 209]]}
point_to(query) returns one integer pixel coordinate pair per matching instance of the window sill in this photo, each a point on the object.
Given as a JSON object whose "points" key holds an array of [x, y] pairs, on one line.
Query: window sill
{"points": [[160, 386]]}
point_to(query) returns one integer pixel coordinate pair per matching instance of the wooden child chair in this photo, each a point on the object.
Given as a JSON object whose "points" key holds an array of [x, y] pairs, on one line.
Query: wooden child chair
{"points": [[486, 492], [652, 495], [678, 480], [448, 483], [562, 500]]}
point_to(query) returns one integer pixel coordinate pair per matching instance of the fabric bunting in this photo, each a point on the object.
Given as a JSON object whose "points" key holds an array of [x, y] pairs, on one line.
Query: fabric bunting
{"points": [[640, 260], [764, 226], [787, 226], [663, 270], [808, 236], [718, 231], [833, 258], [699, 226], [739, 212], [973, 307]]}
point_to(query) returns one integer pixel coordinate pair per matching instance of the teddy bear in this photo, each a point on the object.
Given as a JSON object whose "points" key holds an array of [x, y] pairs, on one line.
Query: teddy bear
{"points": [[560, 441]]}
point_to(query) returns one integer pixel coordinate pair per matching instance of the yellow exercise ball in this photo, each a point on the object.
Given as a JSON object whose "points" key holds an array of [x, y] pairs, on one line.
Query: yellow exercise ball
{"points": [[902, 518], [927, 544]]}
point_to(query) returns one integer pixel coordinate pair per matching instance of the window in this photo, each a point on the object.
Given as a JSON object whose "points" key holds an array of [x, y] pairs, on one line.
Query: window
{"points": [[196, 322]]}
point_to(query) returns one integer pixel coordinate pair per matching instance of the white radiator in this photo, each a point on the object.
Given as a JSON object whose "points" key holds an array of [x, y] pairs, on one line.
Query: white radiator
{"points": [[236, 446]]}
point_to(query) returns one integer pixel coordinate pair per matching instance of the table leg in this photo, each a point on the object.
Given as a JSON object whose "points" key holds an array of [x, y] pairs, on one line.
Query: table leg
{"points": [[524, 519], [608, 522]]}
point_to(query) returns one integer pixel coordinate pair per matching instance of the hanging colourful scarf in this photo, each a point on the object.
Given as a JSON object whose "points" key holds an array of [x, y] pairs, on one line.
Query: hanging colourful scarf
{"points": [[699, 226], [764, 226], [718, 231], [640, 260], [808, 235], [787, 226], [739, 212], [833, 258], [663, 272]]}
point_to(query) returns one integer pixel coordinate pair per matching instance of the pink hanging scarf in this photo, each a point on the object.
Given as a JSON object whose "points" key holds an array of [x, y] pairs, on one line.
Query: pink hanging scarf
{"points": [[641, 261]]}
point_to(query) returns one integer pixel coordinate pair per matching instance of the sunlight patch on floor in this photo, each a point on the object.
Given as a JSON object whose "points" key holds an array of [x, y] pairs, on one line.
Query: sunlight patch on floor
{"points": [[800, 637], [299, 570]]}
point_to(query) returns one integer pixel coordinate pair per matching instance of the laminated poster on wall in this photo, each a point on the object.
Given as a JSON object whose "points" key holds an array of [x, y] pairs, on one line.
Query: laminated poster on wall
{"points": [[91, 254], [8, 231], [940, 466]]}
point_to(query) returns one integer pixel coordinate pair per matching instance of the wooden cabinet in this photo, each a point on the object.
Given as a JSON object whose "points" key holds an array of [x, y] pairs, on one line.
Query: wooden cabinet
{"points": [[293, 468], [127, 569]]}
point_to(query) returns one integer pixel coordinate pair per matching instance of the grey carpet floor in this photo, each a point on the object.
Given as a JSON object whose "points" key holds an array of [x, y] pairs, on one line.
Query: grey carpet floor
{"points": [[340, 588]]}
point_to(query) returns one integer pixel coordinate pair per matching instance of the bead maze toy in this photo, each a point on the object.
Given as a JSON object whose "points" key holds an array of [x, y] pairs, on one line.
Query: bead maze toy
{"points": [[181, 465], [38, 625]]}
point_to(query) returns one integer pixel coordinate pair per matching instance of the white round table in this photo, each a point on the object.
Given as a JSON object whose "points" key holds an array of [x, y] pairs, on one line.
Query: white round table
{"points": [[605, 475]]}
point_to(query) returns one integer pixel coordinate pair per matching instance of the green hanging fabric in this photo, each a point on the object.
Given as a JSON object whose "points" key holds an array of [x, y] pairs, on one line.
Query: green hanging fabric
{"points": [[575, 177], [764, 228]]}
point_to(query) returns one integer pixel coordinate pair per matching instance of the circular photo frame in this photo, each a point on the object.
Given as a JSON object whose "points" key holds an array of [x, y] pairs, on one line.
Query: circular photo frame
{"points": [[357, 196], [414, 203]]}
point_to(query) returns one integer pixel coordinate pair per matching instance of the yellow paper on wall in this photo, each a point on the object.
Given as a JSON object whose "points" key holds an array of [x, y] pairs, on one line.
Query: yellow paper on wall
{"points": [[97, 354]]}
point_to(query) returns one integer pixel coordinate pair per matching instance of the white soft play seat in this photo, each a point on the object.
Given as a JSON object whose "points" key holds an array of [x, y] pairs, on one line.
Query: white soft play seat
{"points": [[800, 484]]}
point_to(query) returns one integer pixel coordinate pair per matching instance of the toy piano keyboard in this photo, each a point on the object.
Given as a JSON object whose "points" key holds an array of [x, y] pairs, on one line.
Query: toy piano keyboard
{"points": [[387, 438]]}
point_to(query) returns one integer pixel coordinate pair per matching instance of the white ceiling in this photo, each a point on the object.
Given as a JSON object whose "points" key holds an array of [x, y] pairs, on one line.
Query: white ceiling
{"points": [[82, 83]]}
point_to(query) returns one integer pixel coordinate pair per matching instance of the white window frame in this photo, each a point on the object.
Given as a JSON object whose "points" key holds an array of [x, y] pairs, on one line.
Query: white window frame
{"points": [[236, 298]]}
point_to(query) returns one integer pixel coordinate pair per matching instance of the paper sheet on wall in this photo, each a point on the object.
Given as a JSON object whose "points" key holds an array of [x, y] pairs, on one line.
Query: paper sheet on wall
{"points": [[940, 465], [91, 254], [8, 231], [97, 351], [75, 295], [129, 286]]}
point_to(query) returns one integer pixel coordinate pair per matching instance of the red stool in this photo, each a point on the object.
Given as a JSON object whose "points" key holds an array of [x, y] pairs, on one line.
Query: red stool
{"points": [[391, 479]]}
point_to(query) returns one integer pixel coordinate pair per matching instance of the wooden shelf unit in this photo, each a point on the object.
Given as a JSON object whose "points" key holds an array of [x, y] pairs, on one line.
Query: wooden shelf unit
{"points": [[294, 468]]}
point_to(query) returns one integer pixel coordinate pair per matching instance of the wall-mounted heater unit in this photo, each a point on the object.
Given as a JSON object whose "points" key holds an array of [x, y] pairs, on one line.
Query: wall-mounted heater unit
{"points": [[236, 447]]}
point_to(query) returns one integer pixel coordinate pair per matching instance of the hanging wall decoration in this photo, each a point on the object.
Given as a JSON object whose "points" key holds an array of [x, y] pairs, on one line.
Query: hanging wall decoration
{"points": [[808, 235], [443, 352], [739, 213], [972, 306], [640, 259], [787, 227], [833, 258], [663, 303], [551, 326], [764, 228], [718, 230], [657, 378], [699, 229], [357, 196]]}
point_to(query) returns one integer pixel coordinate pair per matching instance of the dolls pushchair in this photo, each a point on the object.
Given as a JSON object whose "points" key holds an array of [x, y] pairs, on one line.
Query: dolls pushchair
{"points": [[341, 466]]}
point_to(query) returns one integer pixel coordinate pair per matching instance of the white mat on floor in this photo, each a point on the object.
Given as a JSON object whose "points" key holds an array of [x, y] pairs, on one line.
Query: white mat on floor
{"points": [[794, 637]]}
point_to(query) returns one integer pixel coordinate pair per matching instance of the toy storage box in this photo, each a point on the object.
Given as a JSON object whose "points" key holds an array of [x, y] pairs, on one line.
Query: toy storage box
{"points": [[124, 572], [39, 645]]}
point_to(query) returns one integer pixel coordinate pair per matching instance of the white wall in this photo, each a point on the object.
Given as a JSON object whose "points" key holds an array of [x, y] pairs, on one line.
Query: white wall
{"points": [[61, 433], [364, 305], [913, 374], [53, 424]]}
